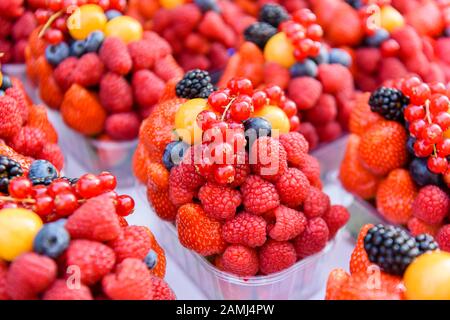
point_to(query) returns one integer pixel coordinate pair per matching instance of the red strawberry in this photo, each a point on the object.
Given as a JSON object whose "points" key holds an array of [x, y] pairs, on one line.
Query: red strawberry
{"points": [[359, 261], [10, 118]]}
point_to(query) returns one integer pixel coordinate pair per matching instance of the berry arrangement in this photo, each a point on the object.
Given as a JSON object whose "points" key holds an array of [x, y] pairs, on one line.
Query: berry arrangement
{"points": [[24, 127], [397, 153], [105, 75], [390, 264], [239, 184], [90, 255]]}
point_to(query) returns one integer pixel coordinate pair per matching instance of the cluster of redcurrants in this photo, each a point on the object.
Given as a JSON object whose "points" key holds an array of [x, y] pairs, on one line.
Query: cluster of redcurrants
{"points": [[62, 196], [304, 33], [428, 118]]}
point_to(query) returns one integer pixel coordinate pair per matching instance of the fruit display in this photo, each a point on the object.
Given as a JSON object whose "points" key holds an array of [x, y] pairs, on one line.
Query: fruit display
{"points": [[24, 127], [17, 21], [93, 254], [387, 263], [288, 50], [239, 184], [397, 155]]}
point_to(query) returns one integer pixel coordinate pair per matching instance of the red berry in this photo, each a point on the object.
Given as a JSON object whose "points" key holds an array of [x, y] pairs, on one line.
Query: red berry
{"points": [[88, 186], [124, 205], [43, 205], [241, 108], [20, 188], [414, 113], [432, 134], [422, 149], [206, 119], [437, 164], [409, 84], [390, 48], [218, 100], [294, 123], [104, 4], [439, 103], [55, 5], [299, 55], [442, 120], [289, 107], [59, 186], [118, 4], [438, 87], [222, 153], [39, 190], [240, 86], [42, 15], [420, 94], [417, 127], [293, 30], [304, 16], [314, 32], [274, 93], [224, 174], [108, 181], [443, 148], [259, 99], [65, 203], [60, 24], [205, 167]]}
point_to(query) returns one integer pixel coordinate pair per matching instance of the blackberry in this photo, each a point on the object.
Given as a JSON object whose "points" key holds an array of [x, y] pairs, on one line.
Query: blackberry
{"points": [[273, 14], [259, 33], [9, 169], [389, 102], [195, 84], [426, 243], [391, 248]]}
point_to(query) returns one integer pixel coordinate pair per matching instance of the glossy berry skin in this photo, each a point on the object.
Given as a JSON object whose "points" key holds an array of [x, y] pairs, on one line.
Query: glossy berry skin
{"points": [[88, 186], [59, 186], [442, 119], [421, 175], [42, 169], [173, 154], [340, 56], [53, 36], [256, 128], [306, 68], [439, 103], [420, 94], [65, 203], [224, 174], [432, 134], [77, 48], [108, 181], [124, 205], [443, 148], [289, 107], [20, 188], [274, 93], [206, 119], [151, 259], [422, 149], [259, 99], [417, 127], [55, 54], [44, 205], [52, 240], [413, 113], [241, 108], [218, 100], [437, 164]]}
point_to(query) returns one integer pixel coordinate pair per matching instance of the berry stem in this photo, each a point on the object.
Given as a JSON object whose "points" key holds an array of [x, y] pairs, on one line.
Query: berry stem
{"points": [[49, 22], [11, 199], [227, 108], [428, 117]]}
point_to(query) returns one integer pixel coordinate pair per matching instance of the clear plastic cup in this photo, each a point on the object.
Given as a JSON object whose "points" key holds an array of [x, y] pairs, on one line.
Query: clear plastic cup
{"points": [[94, 155], [301, 281], [362, 212], [18, 70]]}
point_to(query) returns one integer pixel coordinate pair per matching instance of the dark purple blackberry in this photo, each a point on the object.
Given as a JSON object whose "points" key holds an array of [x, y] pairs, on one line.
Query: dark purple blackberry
{"points": [[426, 243], [9, 169], [273, 14], [259, 33], [389, 103], [195, 84]]}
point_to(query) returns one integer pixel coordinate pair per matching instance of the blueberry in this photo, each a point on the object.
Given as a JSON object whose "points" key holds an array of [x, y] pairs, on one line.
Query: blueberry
{"points": [[357, 4], [52, 240], [173, 154], [341, 57], [447, 31], [306, 68], [94, 41], [410, 145], [207, 5], [6, 83], [255, 128], [42, 169], [422, 175], [323, 57], [2, 93], [151, 259], [55, 54], [77, 48], [378, 38], [111, 14]]}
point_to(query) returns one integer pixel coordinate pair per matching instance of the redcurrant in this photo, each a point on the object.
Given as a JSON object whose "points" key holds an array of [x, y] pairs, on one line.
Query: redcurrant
{"points": [[124, 205], [65, 203], [20, 188], [274, 93], [224, 174], [437, 164], [432, 134], [43, 205], [443, 148], [422, 149], [416, 127], [259, 99], [108, 181], [413, 113], [218, 100], [88, 186]]}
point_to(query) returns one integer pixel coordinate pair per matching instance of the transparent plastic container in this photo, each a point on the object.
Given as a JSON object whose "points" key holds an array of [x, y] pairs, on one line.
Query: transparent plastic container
{"points": [[94, 155], [18, 70], [362, 212], [301, 281]]}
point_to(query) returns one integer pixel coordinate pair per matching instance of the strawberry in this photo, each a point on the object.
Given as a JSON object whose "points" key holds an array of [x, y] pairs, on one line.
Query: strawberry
{"points": [[359, 261], [361, 117], [336, 279]]}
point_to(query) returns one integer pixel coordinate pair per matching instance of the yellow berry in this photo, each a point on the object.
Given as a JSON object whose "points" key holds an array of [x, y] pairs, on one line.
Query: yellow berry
{"points": [[277, 118], [447, 134], [391, 19], [428, 277], [186, 120], [18, 229], [1, 79], [86, 19], [124, 27], [170, 4], [280, 50]]}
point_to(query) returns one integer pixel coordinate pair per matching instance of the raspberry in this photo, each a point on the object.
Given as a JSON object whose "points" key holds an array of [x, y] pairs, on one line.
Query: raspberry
{"points": [[141, 53], [161, 290], [310, 134], [219, 202], [82, 111], [275, 256], [160, 47], [213, 27], [383, 147], [305, 92], [367, 59], [115, 93], [5, 27], [296, 147], [114, 54], [359, 260], [246, 229], [324, 112], [313, 239], [395, 196], [133, 242], [24, 26], [60, 290], [29, 141], [167, 68], [52, 153], [268, 158], [147, 88], [316, 203], [10, 117], [21, 100], [240, 260], [408, 39], [29, 275], [94, 259], [242, 172], [198, 232], [431, 205], [443, 238], [275, 74], [130, 281], [335, 78], [64, 71], [95, 220], [329, 132], [259, 196], [417, 226], [122, 126], [89, 70], [184, 182], [335, 219], [293, 187], [289, 224], [3, 273], [37, 118], [392, 68]]}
